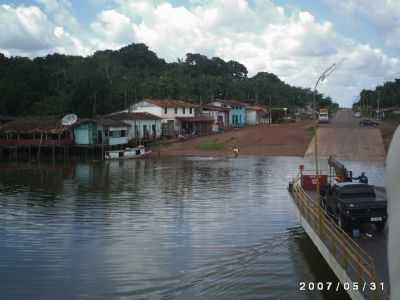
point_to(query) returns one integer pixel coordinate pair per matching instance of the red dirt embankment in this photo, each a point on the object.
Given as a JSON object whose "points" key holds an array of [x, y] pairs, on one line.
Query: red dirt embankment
{"points": [[277, 139]]}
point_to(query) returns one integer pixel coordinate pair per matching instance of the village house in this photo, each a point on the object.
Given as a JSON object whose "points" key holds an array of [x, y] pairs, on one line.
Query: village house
{"points": [[100, 131], [177, 117], [237, 111], [35, 131], [256, 115], [142, 125], [220, 116]]}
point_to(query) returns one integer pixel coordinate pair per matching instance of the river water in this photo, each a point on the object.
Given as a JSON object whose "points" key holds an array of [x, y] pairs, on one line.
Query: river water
{"points": [[190, 228]]}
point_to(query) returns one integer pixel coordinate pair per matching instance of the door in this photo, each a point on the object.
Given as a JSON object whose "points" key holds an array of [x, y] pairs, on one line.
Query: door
{"points": [[154, 131], [99, 137], [220, 121]]}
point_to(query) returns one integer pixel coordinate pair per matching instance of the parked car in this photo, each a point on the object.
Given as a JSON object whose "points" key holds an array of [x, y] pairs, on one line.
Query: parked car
{"points": [[368, 123], [351, 204], [357, 114]]}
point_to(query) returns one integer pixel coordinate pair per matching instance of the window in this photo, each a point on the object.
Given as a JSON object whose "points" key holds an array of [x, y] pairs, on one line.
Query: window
{"points": [[190, 110], [183, 110], [106, 132], [123, 133], [165, 110], [176, 110]]}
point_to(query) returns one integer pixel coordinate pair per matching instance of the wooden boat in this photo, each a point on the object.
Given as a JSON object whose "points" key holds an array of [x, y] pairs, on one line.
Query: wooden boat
{"points": [[127, 153]]}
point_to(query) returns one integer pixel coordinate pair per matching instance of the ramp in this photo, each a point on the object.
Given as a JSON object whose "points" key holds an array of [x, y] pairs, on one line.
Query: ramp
{"points": [[348, 144]]}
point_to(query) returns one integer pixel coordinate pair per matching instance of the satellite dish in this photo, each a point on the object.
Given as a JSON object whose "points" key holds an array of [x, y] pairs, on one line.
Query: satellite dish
{"points": [[69, 120]]}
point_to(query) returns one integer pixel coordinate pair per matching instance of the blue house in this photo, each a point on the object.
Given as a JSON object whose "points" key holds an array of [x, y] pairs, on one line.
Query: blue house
{"points": [[100, 132], [237, 111]]}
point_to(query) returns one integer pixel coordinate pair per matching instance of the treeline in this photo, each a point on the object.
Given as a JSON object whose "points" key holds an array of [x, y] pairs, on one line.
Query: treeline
{"points": [[387, 95], [109, 80]]}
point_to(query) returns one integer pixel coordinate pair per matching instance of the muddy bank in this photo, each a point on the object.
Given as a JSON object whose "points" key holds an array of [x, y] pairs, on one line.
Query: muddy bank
{"points": [[277, 139]]}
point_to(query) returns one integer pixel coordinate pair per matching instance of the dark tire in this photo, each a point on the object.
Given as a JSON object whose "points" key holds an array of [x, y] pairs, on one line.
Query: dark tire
{"points": [[380, 226]]}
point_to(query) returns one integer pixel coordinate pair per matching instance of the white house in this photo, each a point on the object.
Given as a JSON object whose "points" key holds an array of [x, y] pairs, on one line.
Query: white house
{"points": [[143, 126], [177, 117], [219, 114], [256, 115]]}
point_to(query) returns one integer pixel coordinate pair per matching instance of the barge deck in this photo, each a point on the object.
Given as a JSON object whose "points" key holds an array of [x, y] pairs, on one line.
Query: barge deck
{"points": [[359, 263]]}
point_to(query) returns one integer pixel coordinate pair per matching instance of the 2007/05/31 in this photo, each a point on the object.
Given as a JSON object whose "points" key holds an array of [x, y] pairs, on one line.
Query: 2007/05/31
{"points": [[347, 286]]}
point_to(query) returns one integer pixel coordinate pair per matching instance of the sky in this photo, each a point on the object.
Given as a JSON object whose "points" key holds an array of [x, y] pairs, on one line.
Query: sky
{"points": [[294, 39]]}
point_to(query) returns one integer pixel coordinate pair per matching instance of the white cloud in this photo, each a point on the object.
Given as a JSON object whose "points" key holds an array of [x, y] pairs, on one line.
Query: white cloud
{"points": [[60, 12], [27, 31], [24, 28], [112, 30], [383, 15], [264, 37]]}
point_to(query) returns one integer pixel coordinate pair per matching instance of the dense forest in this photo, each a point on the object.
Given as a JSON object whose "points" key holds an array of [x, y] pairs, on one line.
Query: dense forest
{"points": [[109, 80], [388, 95]]}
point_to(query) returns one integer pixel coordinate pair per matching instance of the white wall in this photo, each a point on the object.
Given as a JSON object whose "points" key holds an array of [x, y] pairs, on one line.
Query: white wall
{"points": [[215, 114], [251, 117], [172, 115], [144, 106]]}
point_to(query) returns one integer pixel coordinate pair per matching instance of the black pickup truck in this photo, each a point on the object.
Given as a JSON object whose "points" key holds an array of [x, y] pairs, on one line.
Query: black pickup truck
{"points": [[352, 204]]}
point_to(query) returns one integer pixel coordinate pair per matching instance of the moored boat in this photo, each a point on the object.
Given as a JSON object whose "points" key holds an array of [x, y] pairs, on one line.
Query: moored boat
{"points": [[127, 153]]}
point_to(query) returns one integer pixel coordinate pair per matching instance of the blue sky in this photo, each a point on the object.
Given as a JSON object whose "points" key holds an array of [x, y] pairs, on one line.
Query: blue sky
{"points": [[295, 39]]}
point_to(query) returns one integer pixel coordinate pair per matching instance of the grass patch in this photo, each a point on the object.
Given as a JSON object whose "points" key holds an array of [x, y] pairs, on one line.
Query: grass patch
{"points": [[210, 145], [310, 131]]}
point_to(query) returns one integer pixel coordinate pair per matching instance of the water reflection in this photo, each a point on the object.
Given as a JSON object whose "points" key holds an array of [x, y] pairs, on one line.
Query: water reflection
{"points": [[162, 229]]}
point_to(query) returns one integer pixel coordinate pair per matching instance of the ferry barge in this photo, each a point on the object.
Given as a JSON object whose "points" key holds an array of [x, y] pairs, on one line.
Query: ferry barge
{"points": [[360, 261]]}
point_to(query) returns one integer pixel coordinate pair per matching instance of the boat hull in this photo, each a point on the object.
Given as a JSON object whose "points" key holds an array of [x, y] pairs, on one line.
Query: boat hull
{"points": [[126, 154]]}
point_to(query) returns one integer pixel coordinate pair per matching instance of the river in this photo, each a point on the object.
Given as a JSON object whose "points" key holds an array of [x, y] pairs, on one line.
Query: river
{"points": [[190, 228]]}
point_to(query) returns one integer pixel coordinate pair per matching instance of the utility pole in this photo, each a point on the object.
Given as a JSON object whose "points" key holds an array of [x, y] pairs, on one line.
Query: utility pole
{"points": [[378, 106], [322, 77], [270, 109]]}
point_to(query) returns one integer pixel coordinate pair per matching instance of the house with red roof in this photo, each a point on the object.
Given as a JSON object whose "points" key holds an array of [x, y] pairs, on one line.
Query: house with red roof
{"points": [[177, 117]]}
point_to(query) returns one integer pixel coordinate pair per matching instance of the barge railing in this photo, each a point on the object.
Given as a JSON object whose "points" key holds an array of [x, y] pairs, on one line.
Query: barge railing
{"points": [[357, 264]]}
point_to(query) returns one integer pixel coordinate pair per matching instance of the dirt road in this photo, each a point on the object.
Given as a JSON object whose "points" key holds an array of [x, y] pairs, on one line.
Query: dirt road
{"points": [[345, 139], [282, 139]]}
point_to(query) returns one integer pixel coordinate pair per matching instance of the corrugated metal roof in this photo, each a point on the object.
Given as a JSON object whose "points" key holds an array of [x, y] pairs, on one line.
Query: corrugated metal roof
{"points": [[196, 119], [216, 108], [258, 108], [105, 122], [133, 116], [34, 124], [171, 103], [232, 103]]}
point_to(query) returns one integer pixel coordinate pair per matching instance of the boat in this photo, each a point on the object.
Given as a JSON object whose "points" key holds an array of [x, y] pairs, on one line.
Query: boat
{"points": [[127, 153]]}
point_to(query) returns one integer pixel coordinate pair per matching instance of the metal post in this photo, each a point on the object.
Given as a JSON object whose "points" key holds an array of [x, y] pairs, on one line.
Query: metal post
{"points": [[378, 104], [324, 75]]}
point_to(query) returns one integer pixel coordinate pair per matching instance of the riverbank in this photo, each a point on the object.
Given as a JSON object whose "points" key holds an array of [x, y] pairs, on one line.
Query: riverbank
{"points": [[289, 139]]}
